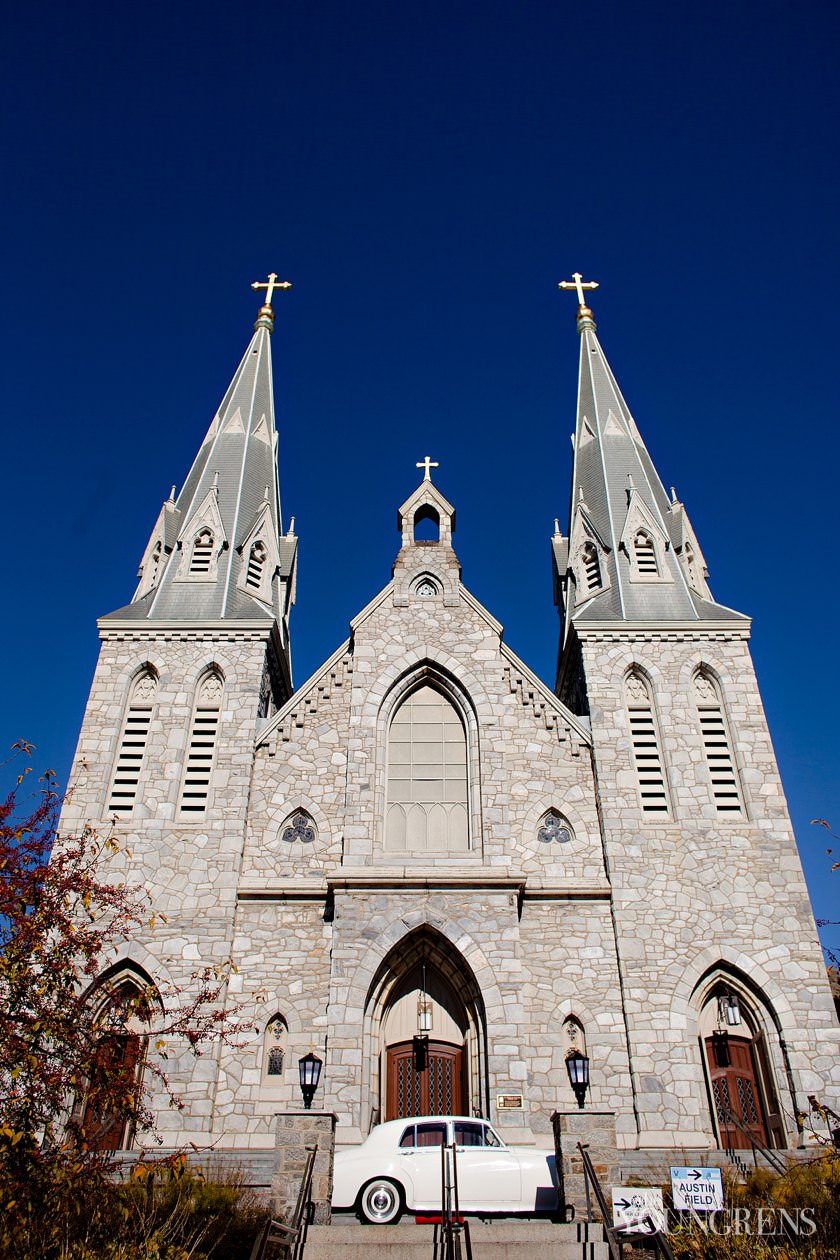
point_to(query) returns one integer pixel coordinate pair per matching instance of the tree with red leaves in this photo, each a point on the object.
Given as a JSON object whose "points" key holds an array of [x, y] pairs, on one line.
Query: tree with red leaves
{"points": [[70, 1047]]}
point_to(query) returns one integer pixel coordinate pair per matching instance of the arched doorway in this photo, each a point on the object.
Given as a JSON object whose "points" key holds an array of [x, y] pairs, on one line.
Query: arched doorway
{"points": [[739, 1071], [425, 989], [111, 1098]]}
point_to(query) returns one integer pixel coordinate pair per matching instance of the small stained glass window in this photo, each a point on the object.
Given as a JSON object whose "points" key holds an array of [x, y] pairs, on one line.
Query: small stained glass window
{"points": [[554, 829], [299, 827], [426, 588], [275, 1061]]}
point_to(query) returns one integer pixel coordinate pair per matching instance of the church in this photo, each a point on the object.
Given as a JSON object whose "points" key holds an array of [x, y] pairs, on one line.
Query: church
{"points": [[444, 878]]}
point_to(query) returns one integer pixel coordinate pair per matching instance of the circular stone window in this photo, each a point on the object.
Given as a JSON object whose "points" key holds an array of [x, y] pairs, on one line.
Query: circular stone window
{"points": [[554, 829]]}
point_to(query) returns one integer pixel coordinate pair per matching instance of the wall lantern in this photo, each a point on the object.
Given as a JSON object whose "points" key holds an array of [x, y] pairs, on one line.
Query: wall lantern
{"points": [[729, 1009], [310, 1074], [720, 1049], [577, 1065], [420, 1052]]}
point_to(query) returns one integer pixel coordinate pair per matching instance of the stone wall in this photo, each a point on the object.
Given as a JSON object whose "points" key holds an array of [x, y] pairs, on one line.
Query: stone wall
{"points": [[296, 1133]]}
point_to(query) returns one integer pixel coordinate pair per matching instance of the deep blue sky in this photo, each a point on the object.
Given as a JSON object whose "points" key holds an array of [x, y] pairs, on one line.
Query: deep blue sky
{"points": [[424, 174]]}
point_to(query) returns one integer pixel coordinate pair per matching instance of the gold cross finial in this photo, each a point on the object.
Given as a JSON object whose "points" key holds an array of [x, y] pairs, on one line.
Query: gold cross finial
{"points": [[427, 464], [577, 282], [270, 285]]}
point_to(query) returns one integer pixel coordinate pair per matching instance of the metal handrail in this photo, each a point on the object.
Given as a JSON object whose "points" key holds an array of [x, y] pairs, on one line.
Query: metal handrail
{"points": [[291, 1237], [617, 1237], [778, 1165], [590, 1179], [446, 1243]]}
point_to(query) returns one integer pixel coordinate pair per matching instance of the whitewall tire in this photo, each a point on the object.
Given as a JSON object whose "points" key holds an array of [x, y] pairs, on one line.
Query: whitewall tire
{"points": [[381, 1202]]}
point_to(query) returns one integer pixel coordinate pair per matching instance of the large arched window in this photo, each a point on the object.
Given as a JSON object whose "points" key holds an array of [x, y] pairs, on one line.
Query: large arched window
{"points": [[132, 746], [201, 746], [427, 805]]}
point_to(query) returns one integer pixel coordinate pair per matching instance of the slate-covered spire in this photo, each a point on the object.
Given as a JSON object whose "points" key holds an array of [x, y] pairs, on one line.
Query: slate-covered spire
{"points": [[217, 552], [631, 554]]}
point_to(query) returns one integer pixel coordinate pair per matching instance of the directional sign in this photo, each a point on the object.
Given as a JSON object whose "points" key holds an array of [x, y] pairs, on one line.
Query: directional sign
{"points": [[638, 1208], [700, 1189]]}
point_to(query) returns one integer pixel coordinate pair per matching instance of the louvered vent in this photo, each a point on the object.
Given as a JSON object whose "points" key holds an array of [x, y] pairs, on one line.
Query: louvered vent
{"points": [[645, 555], [716, 746], [202, 554], [647, 755], [256, 561], [591, 567], [132, 746], [202, 747]]}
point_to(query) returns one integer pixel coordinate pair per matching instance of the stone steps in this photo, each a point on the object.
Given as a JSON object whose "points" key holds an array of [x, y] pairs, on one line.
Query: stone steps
{"points": [[503, 1239]]}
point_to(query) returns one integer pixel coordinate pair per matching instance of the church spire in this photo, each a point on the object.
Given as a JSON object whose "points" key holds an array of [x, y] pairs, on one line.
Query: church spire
{"points": [[631, 554], [217, 552]]}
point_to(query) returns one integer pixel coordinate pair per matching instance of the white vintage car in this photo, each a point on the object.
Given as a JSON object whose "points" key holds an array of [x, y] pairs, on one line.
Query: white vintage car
{"points": [[398, 1168]]}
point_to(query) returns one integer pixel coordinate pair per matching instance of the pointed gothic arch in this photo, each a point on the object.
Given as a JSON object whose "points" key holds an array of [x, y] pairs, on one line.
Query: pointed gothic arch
{"points": [[133, 740], [716, 734], [741, 1070], [123, 1000], [425, 985], [202, 741], [646, 744], [445, 816]]}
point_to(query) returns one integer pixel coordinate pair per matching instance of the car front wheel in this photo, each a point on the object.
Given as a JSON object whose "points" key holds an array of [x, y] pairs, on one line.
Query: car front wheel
{"points": [[381, 1202]]}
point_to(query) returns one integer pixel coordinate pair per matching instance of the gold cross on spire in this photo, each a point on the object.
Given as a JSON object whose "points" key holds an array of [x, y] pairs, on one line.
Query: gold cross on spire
{"points": [[270, 285], [577, 282], [427, 464]]}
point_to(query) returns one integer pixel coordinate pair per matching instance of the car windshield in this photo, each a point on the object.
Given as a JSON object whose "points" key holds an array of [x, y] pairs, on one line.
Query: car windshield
{"points": [[471, 1133], [424, 1135]]}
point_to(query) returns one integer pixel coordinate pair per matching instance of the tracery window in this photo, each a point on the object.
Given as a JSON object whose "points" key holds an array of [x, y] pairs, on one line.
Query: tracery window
{"points": [[299, 827], [427, 776], [647, 752], [274, 1048], [554, 829], [134, 737]]}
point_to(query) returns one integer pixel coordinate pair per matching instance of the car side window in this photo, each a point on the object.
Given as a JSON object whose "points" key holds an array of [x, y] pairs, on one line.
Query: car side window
{"points": [[469, 1134], [492, 1138], [430, 1135], [407, 1138]]}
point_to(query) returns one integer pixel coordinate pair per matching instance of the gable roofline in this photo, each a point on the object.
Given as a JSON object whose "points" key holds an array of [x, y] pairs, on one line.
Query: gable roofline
{"points": [[297, 697]]}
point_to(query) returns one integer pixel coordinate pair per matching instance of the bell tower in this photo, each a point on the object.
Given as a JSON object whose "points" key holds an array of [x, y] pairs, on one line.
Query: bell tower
{"points": [[695, 825]]}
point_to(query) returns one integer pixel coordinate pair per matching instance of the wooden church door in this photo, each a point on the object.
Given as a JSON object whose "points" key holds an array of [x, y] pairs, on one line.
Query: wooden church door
{"points": [[115, 1073], [437, 1091], [735, 1091]]}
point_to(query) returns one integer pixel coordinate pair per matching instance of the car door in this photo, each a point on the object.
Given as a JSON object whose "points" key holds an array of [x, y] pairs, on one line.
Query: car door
{"points": [[489, 1176], [420, 1156]]}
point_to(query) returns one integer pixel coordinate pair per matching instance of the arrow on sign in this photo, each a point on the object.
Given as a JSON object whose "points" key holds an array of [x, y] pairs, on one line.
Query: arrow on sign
{"points": [[696, 1174], [623, 1204]]}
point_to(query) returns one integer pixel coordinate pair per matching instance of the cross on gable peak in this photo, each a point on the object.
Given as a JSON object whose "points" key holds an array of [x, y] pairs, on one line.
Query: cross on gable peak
{"points": [[428, 464]]}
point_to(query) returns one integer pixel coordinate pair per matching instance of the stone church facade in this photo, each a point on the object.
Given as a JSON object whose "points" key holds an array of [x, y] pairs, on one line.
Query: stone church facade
{"points": [[426, 839]]}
